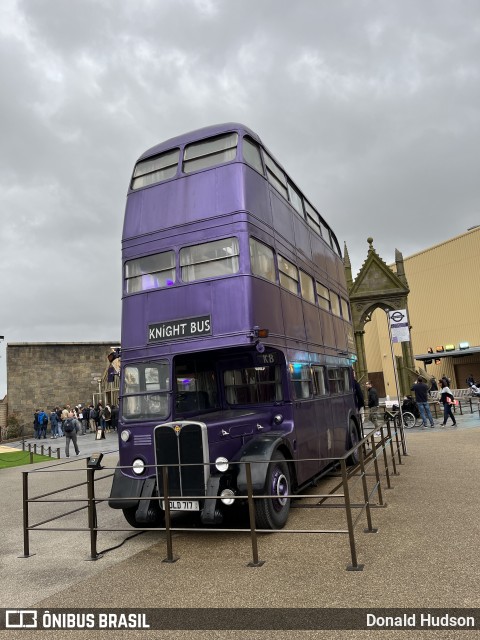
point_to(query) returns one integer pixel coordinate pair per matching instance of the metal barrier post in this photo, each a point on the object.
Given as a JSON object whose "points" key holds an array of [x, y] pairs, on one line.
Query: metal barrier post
{"points": [[354, 566], [385, 459], [26, 535], [389, 430], [58, 453], [251, 513], [34, 447], [92, 514], [31, 457], [377, 473], [398, 444], [168, 531], [370, 529]]}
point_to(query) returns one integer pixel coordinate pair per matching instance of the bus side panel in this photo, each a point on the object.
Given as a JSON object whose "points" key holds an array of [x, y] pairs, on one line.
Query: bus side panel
{"points": [[219, 299], [325, 434], [319, 256], [282, 218], [307, 433], [339, 420], [267, 306], [196, 197], [292, 315], [256, 197], [302, 239], [313, 326], [340, 336], [328, 332]]}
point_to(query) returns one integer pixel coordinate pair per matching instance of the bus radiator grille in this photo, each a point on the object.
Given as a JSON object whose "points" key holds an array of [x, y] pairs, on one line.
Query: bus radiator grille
{"points": [[186, 448]]}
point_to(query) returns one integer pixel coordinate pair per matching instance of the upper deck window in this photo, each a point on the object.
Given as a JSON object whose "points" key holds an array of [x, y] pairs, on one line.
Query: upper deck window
{"points": [[313, 219], [306, 287], [345, 309], [210, 152], [323, 295], [155, 169], [209, 260], [150, 272], [288, 274], [335, 301], [276, 177], [251, 154], [295, 198], [261, 259]]}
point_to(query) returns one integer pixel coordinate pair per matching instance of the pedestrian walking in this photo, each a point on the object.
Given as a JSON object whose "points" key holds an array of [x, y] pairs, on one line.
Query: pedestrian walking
{"points": [[447, 400], [71, 427]]}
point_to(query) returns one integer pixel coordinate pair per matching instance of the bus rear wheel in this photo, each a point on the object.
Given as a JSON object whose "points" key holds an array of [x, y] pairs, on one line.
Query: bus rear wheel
{"points": [[272, 513], [155, 517], [353, 439]]}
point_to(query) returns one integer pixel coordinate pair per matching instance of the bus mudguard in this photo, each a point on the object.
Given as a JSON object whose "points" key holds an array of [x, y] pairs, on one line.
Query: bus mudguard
{"points": [[259, 452], [123, 490]]}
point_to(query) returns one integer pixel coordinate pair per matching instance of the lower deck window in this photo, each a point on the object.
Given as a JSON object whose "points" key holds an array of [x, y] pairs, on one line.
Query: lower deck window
{"points": [[302, 380], [339, 380], [253, 385]]}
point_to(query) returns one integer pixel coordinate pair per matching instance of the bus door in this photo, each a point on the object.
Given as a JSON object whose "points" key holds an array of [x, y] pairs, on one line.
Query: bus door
{"points": [[305, 421]]}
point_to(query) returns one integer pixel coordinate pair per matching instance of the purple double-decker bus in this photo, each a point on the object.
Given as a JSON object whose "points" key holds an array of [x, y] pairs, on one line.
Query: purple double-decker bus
{"points": [[237, 341]]}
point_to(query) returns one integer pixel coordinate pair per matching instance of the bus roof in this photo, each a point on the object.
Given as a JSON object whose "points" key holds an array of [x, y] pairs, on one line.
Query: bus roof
{"points": [[198, 134]]}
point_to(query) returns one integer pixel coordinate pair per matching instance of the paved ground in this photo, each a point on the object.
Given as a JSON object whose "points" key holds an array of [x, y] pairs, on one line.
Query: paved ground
{"points": [[425, 553]]}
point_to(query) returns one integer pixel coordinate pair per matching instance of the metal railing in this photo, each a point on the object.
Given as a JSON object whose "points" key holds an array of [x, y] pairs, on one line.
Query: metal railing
{"points": [[371, 451]]}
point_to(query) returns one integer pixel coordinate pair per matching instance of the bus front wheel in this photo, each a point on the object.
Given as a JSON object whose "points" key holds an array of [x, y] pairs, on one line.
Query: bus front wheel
{"points": [[272, 513]]}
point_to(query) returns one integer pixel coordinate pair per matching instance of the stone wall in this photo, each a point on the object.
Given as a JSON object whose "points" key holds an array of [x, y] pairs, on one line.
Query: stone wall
{"points": [[3, 412], [43, 375]]}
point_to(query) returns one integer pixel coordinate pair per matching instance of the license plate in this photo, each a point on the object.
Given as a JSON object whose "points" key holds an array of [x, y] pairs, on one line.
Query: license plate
{"points": [[182, 505]]}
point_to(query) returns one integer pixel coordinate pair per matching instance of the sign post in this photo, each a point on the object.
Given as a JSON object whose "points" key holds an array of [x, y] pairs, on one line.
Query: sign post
{"points": [[398, 331]]}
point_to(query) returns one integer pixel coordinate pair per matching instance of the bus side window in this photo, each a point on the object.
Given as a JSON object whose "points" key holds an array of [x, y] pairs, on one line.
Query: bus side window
{"points": [[319, 379], [302, 381], [261, 259], [336, 380]]}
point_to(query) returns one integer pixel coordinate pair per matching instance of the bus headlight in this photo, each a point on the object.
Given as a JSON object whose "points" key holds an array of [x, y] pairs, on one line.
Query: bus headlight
{"points": [[125, 435], [227, 497], [221, 464], [138, 467]]}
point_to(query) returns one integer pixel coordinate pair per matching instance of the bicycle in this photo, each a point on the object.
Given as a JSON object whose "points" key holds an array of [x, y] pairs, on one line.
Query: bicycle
{"points": [[409, 420]]}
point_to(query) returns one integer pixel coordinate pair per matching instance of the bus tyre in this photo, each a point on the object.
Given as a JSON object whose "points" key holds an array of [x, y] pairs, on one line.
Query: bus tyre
{"points": [[353, 439], [272, 513], [155, 517]]}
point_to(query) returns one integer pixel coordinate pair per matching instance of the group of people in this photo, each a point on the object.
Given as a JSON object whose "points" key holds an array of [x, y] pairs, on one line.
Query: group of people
{"points": [[79, 420], [422, 392]]}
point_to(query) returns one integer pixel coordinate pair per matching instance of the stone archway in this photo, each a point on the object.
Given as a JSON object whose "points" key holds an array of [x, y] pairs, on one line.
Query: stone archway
{"points": [[378, 287]]}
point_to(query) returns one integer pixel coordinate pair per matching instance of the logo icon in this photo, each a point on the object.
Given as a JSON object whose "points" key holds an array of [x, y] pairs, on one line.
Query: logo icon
{"points": [[21, 619]]}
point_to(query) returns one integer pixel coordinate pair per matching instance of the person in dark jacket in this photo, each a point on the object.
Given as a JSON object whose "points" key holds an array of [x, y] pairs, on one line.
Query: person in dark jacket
{"points": [[421, 398], [447, 399], [373, 404]]}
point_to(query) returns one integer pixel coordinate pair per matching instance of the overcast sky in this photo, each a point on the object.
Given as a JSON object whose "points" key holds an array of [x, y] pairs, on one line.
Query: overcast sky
{"points": [[371, 106]]}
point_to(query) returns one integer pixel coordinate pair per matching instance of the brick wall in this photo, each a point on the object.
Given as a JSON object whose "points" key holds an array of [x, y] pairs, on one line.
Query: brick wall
{"points": [[43, 375]]}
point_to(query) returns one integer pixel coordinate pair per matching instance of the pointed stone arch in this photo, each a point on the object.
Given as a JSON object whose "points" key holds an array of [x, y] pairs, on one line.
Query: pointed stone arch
{"points": [[377, 286]]}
